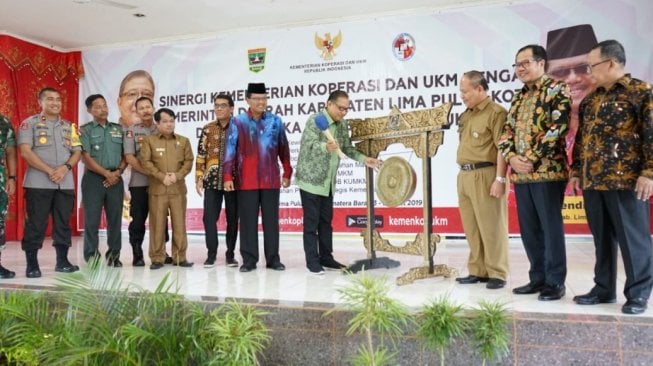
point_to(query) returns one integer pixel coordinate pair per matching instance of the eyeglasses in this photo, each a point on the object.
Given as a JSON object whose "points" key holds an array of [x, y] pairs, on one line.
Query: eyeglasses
{"points": [[563, 73], [517, 65], [222, 106], [341, 109], [598, 63], [135, 93]]}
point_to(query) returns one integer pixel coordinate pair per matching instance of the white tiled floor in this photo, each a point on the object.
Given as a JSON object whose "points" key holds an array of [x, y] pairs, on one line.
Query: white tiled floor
{"points": [[296, 285]]}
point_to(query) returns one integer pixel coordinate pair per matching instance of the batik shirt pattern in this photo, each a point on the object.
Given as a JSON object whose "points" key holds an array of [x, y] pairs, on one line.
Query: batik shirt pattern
{"points": [[614, 143], [537, 123]]}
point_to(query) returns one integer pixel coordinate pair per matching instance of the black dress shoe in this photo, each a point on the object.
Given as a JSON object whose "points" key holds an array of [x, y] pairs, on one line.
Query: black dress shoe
{"points": [[634, 306], [529, 288], [138, 262], [156, 265], [185, 264], [5, 273], [209, 263], [232, 262], [66, 268], [471, 279], [591, 298], [114, 262], [495, 283], [552, 292], [246, 268], [277, 266], [33, 272], [332, 264], [168, 259]]}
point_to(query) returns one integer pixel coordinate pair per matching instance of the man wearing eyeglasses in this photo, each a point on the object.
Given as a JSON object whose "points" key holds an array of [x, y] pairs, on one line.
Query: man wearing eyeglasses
{"points": [[567, 49], [209, 181], [136, 84], [613, 165], [317, 168], [257, 143], [533, 143]]}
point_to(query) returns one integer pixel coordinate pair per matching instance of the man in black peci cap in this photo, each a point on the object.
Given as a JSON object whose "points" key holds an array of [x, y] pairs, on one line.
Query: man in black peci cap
{"points": [[567, 49], [256, 144]]}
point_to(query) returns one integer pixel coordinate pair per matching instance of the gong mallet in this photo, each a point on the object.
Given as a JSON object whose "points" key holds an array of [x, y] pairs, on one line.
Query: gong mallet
{"points": [[323, 124]]}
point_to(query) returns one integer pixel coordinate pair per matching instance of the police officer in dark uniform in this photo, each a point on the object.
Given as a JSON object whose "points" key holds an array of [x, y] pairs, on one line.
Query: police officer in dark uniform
{"points": [[7, 180], [102, 186], [51, 147], [139, 182]]}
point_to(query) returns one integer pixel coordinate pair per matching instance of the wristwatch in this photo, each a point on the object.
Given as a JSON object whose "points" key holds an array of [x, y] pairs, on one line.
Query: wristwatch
{"points": [[70, 167], [11, 177], [501, 179]]}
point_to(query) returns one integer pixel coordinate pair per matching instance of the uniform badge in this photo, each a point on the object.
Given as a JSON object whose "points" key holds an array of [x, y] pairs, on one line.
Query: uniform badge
{"points": [[43, 140], [475, 134]]}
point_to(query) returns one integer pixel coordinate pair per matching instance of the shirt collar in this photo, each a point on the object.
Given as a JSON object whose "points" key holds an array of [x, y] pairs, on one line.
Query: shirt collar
{"points": [[96, 123], [328, 116], [251, 116], [481, 106], [226, 127], [160, 135], [537, 85]]}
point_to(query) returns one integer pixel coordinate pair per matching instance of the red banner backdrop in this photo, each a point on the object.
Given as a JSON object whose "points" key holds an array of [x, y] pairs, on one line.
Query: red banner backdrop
{"points": [[25, 69]]}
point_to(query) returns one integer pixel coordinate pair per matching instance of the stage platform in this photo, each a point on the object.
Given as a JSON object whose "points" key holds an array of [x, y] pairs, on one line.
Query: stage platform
{"points": [[557, 332]]}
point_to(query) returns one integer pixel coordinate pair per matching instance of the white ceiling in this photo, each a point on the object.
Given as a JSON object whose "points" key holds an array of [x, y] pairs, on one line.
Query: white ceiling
{"points": [[81, 24]]}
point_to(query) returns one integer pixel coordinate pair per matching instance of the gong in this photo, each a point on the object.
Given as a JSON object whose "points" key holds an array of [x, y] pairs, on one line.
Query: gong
{"points": [[395, 181]]}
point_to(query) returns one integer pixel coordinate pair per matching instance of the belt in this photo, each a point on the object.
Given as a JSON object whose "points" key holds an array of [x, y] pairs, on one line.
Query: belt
{"points": [[474, 166]]}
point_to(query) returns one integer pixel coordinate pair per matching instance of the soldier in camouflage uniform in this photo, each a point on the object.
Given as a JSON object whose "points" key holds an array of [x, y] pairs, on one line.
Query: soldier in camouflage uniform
{"points": [[7, 180]]}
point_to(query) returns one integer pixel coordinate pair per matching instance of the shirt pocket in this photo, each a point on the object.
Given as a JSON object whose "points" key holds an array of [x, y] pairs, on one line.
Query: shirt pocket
{"points": [[43, 138], [480, 137], [117, 140], [97, 144]]}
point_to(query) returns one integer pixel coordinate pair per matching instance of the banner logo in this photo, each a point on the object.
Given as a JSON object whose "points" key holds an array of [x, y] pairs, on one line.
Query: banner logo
{"points": [[256, 58], [327, 45], [403, 47], [361, 221]]}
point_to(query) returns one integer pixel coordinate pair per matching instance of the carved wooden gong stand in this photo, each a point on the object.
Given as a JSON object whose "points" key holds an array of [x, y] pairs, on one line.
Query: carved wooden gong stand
{"points": [[423, 132]]}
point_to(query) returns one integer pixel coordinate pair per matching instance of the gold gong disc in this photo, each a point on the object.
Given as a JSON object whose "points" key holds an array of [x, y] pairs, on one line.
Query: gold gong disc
{"points": [[395, 182]]}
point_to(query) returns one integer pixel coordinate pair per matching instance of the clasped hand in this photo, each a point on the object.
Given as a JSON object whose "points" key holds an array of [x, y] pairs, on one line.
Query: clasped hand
{"points": [[170, 179]]}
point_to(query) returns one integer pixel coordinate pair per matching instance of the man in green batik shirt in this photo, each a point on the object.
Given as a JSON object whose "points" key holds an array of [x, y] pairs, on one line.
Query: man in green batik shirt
{"points": [[7, 180], [317, 167]]}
